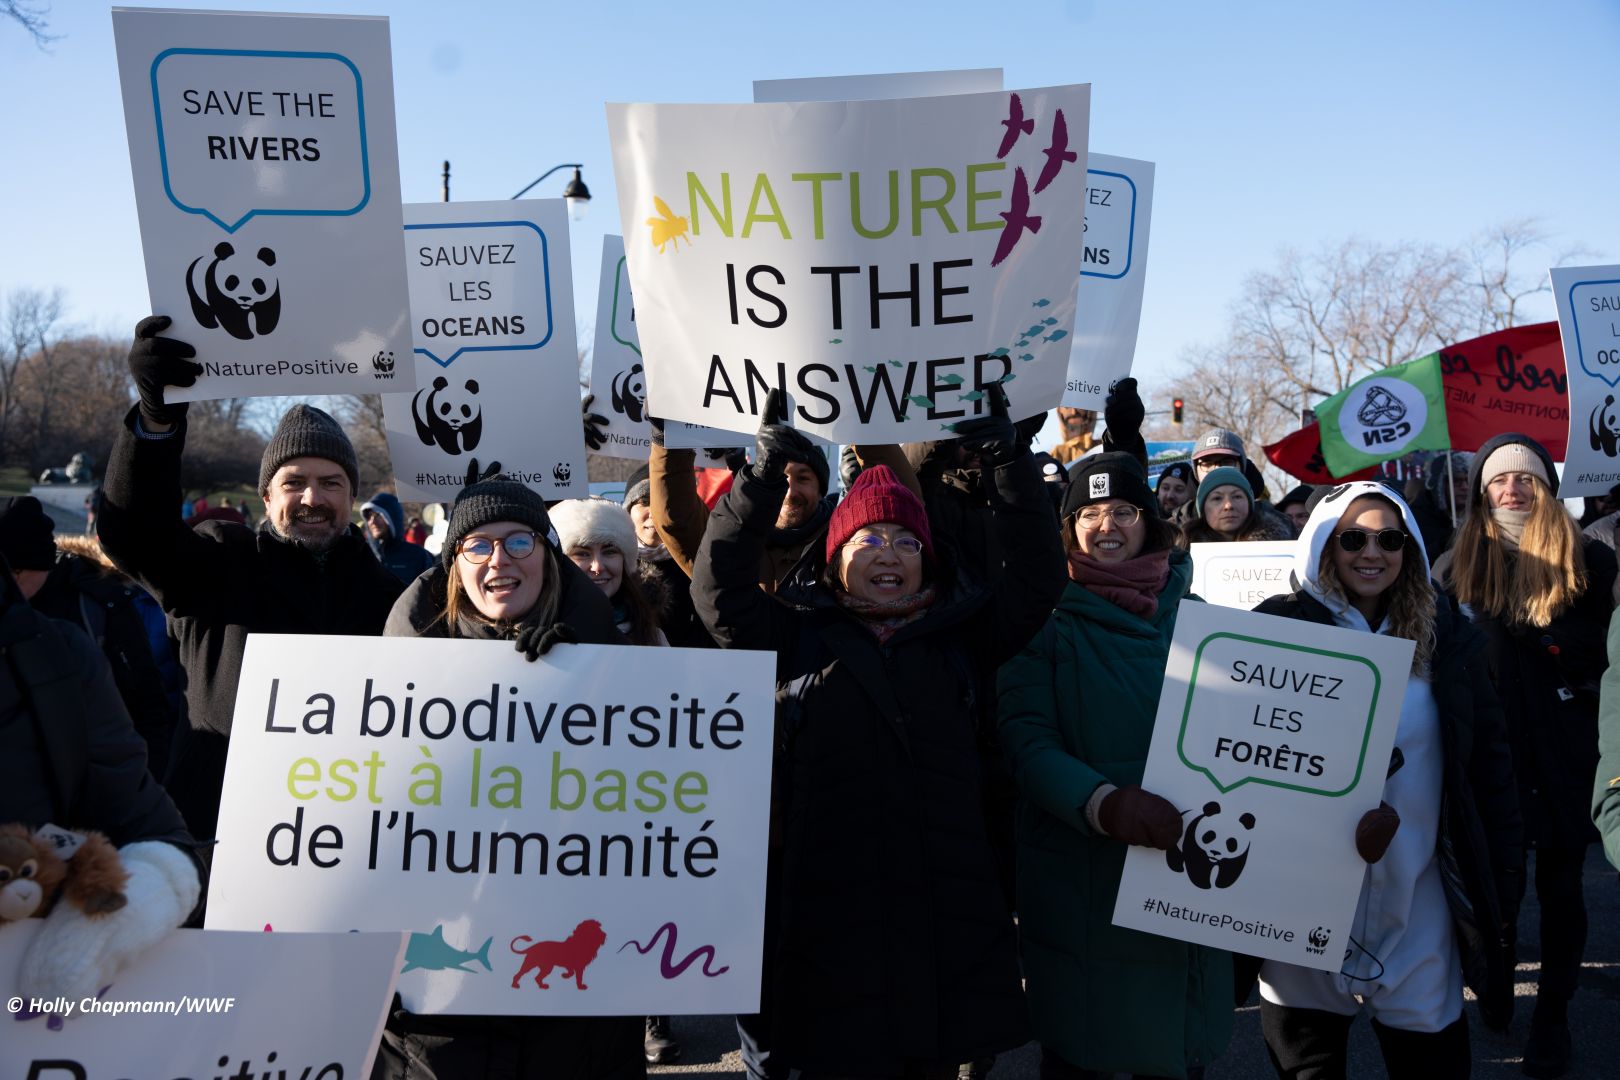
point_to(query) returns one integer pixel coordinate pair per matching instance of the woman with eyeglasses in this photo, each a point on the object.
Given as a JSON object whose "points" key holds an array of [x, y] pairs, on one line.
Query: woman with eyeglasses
{"points": [[1077, 708], [500, 579], [1442, 849], [1226, 510], [894, 951], [1542, 594]]}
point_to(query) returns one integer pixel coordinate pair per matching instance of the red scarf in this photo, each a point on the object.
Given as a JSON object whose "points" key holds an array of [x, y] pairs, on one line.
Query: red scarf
{"points": [[1134, 585], [884, 617]]}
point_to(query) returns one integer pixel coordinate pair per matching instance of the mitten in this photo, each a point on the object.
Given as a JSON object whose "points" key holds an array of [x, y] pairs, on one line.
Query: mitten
{"points": [[1375, 830], [1135, 816], [75, 955], [1123, 411], [156, 362], [535, 641]]}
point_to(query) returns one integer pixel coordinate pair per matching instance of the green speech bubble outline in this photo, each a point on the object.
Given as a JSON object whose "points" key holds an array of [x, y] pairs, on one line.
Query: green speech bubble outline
{"points": [[613, 317], [1192, 686]]}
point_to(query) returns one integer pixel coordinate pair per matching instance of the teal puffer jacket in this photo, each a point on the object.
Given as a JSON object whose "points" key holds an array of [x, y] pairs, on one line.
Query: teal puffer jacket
{"points": [[1077, 708]]}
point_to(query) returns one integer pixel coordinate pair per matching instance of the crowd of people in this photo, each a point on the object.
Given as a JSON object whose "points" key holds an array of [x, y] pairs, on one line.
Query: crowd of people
{"points": [[970, 646]]}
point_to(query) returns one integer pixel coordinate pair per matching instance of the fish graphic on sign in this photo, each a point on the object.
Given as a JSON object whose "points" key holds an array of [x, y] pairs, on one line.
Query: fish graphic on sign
{"points": [[430, 952]]}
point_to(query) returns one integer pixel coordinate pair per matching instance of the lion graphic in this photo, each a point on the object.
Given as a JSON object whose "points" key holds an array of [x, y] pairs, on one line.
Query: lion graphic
{"points": [[573, 955]]}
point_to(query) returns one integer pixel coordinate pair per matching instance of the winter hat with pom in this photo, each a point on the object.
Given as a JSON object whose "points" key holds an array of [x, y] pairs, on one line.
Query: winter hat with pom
{"points": [[878, 496]]}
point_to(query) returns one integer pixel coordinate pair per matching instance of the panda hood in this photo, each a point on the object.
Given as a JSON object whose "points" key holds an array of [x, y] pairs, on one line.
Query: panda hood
{"points": [[1318, 533]]}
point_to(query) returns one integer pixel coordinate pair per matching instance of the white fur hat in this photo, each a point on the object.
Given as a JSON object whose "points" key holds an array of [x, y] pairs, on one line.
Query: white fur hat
{"points": [[581, 522]]}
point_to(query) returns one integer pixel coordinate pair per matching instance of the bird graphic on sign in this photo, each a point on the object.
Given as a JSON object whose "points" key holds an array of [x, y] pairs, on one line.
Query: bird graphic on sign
{"points": [[1017, 217], [1056, 154], [1015, 124]]}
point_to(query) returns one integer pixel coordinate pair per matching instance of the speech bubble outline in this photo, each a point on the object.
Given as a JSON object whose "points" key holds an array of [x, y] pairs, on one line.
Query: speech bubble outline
{"points": [[613, 318], [1366, 734], [1130, 236], [1575, 320], [545, 269], [360, 102]]}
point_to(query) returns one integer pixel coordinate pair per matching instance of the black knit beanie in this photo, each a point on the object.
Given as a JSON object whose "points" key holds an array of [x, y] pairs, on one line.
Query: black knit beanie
{"points": [[27, 534], [493, 500], [306, 431], [1109, 476]]}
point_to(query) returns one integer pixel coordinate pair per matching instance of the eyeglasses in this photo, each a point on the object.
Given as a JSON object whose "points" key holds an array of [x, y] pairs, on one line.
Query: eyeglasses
{"points": [[907, 547], [1091, 517], [1355, 539], [480, 549]]}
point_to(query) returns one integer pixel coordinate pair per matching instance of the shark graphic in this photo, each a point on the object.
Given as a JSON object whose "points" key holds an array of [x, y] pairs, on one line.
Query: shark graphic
{"points": [[430, 952]]}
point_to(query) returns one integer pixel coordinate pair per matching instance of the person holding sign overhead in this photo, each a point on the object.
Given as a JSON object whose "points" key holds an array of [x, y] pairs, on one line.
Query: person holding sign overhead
{"points": [[1542, 594], [1443, 848], [1077, 708]]}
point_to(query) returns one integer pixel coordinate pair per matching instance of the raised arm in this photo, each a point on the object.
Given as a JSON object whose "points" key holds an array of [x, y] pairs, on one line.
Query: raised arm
{"points": [[677, 510]]}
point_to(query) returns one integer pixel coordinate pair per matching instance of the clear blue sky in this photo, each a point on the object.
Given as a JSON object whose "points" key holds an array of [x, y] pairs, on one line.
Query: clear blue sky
{"points": [[1272, 124]]}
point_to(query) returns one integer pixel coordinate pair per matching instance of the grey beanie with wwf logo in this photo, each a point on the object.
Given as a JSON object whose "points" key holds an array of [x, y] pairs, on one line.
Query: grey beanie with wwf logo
{"points": [[306, 431]]}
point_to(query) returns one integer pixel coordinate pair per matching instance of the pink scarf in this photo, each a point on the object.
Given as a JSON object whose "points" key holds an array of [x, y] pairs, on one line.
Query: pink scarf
{"points": [[885, 617], [1134, 585]]}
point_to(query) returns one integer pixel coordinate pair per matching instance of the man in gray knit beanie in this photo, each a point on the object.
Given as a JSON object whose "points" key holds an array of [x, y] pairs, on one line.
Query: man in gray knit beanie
{"points": [[307, 478]]}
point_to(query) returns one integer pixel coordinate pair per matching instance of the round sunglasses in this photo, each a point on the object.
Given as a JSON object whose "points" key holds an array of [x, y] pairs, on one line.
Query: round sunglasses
{"points": [[1355, 539]]}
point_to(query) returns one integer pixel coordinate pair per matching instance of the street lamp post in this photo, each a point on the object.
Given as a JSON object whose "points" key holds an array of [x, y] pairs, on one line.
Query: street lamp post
{"points": [[575, 193]]}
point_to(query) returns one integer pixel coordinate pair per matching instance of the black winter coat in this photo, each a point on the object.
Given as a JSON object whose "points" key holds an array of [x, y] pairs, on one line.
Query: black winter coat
{"points": [[677, 618], [1481, 847], [217, 584], [896, 947]]}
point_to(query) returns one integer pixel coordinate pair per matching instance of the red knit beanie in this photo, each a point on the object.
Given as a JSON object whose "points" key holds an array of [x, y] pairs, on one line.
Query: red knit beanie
{"points": [[877, 496]]}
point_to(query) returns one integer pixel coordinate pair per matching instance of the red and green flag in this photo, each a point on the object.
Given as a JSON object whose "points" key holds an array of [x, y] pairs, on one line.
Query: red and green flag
{"points": [[1384, 416]]}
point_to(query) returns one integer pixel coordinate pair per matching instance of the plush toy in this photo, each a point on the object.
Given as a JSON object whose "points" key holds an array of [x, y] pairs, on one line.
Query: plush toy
{"points": [[33, 866]]}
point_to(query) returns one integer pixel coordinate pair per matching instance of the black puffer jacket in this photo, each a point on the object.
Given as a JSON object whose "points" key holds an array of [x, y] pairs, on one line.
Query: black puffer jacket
{"points": [[896, 947], [217, 584], [1481, 850]]}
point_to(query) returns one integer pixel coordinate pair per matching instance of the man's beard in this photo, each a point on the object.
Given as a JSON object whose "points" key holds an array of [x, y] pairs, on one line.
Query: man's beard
{"points": [[311, 534], [795, 511]]}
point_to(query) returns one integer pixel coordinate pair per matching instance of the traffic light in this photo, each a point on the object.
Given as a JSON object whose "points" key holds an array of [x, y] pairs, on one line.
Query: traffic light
{"points": [[1175, 411]]}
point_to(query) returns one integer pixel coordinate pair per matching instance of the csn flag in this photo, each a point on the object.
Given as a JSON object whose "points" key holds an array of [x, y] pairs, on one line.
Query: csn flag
{"points": [[1398, 410]]}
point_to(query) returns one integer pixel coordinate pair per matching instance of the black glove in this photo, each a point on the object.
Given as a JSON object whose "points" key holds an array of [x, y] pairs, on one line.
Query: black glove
{"points": [[655, 424], [595, 424], [776, 445], [1123, 411], [535, 641], [474, 476], [1134, 815], [993, 438], [156, 362]]}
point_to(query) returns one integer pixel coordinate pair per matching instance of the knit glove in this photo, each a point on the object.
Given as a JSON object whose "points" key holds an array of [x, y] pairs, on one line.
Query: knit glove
{"points": [[1135, 816], [776, 445], [475, 474], [535, 641], [75, 955], [595, 424], [156, 362], [1123, 411], [993, 438], [1374, 832]]}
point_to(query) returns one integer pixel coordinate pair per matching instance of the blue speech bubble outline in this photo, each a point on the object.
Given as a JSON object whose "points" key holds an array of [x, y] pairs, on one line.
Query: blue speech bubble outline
{"points": [[1575, 320], [1366, 734], [545, 268], [1130, 237], [163, 154]]}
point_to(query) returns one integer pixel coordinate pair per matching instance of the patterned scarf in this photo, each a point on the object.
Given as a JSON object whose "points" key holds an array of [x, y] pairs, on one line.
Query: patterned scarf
{"points": [[1134, 585], [885, 617]]}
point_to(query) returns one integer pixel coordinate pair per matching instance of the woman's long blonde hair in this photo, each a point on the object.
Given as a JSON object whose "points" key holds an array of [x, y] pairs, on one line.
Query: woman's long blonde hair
{"points": [[1548, 576], [1411, 598], [544, 613]]}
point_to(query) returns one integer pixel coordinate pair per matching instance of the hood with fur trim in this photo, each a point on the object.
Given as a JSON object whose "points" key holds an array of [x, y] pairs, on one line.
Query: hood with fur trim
{"points": [[582, 522], [1318, 532]]}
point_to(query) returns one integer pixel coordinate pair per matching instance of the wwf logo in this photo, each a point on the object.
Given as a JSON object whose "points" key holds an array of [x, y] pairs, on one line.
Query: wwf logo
{"points": [[382, 364], [1318, 940], [1381, 408], [562, 472]]}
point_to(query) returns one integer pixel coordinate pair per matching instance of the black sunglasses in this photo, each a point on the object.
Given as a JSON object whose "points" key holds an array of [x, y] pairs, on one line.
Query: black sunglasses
{"points": [[1356, 539]]}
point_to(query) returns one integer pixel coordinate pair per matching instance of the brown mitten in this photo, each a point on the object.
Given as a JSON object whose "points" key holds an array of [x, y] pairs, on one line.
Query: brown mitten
{"points": [[1139, 817], [1374, 832]]}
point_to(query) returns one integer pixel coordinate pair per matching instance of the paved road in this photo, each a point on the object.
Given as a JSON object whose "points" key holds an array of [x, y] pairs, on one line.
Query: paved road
{"points": [[710, 1043]]}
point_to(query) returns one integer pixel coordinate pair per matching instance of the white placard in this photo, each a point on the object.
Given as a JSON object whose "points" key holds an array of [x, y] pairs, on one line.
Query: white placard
{"points": [[206, 1004], [1118, 210], [619, 379], [1273, 737], [1588, 299], [267, 185], [598, 824], [899, 84], [885, 288], [496, 368], [1241, 574]]}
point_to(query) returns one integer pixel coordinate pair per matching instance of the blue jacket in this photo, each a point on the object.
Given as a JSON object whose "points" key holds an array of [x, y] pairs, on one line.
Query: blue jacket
{"points": [[401, 558]]}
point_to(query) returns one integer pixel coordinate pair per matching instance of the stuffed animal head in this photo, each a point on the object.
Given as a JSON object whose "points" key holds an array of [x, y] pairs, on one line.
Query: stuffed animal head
{"points": [[30, 871]]}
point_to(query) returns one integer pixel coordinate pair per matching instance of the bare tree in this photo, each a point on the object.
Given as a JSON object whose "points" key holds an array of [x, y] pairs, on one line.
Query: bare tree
{"points": [[33, 19], [1498, 258], [31, 326]]}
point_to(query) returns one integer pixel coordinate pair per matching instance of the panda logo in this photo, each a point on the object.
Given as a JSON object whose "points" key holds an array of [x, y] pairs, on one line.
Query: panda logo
{"points": [[447, 416], [562, 472], [237, 293], [1606, 427], [630, 394], [1214, 848]]}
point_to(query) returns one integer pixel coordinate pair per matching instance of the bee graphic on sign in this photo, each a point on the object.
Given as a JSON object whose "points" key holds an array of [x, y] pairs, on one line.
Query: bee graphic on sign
{"points": [[667, 228]]}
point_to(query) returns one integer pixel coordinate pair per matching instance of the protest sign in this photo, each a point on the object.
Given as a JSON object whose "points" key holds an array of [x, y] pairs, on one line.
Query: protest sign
{"points": [[889, 85], [619, 380], [1240, 575], [267, 185], [1273, 737], [1588, 299], [496, 368], [1118, 211], [580, 835], [758, 262], [204, 1004], [1161, 455]]}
